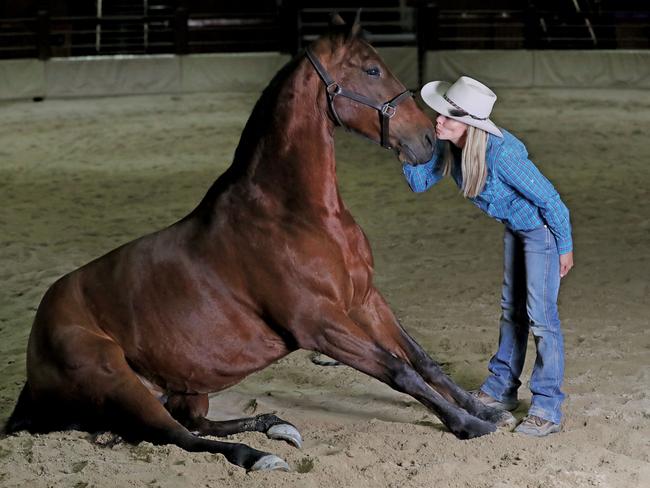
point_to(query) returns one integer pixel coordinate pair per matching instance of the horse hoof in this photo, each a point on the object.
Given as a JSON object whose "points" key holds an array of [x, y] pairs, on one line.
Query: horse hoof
{"points": [[270, 462], [506, 421], [473, 427], [287, 433]]}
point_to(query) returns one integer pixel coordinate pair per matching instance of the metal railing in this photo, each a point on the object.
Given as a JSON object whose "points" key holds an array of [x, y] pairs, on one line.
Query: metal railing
{"points": [[288, 27], [177, 32]]}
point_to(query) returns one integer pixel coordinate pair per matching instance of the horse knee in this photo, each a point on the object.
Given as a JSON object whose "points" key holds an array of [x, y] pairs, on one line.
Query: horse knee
{"points": [[404, 378]]}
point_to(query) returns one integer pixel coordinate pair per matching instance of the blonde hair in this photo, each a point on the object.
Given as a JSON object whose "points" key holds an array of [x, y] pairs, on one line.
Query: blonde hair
{"points": [[473, 166]]}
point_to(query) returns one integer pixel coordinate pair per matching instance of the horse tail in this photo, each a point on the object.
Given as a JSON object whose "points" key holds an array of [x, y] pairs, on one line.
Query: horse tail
{"points": [[21, 418]]}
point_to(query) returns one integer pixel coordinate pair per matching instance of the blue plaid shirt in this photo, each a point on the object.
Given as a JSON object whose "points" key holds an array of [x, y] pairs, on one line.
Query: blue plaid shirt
{"points": [[515, 193]]}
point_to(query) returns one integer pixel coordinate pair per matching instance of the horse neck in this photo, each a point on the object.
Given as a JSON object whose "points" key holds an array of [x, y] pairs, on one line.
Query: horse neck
{"points": [[286, 152]]}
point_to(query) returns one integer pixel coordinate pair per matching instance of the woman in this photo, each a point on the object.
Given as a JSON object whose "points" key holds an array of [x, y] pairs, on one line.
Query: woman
{"points": [[492, 169]]}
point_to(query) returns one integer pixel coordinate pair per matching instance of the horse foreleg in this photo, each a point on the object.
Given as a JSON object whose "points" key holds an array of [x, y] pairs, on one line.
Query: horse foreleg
{"points": [[191, 411], [381, 357], [377, 317], [431, 371]]}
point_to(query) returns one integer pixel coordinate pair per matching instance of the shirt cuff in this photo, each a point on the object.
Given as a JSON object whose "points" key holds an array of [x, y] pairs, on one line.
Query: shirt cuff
{"points": [[564, 246]]}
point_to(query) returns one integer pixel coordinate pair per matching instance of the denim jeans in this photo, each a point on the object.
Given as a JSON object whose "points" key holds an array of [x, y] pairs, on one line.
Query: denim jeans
{"points": [[531, 283]]}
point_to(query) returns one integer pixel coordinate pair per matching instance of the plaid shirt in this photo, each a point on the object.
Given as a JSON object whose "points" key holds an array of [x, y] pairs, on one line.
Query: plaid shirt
{"points": [[515, 193]]}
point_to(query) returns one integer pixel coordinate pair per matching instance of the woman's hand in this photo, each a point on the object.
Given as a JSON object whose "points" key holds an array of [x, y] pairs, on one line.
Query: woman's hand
{"points": [[566, 263]]}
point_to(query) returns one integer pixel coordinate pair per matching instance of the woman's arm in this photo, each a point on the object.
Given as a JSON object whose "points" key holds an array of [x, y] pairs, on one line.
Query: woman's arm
{"points": [[424, 176]]}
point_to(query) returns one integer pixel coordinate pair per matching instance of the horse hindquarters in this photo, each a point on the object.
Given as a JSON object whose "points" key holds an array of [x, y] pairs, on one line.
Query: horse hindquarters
{"points": [[85, 381]]}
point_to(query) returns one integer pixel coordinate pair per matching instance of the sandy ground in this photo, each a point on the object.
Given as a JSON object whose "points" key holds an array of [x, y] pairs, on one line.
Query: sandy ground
{"points": [[80, 177]]}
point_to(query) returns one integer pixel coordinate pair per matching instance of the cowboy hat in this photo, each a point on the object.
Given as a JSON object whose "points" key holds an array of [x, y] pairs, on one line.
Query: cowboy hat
{"points": [[467, 100]]}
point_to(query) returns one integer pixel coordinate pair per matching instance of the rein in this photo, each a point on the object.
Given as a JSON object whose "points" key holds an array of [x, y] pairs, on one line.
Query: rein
{"points": [[386, 110]]}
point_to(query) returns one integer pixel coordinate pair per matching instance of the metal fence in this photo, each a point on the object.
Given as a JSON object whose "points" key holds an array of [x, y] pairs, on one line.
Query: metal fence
{"points": [[161, 29]]}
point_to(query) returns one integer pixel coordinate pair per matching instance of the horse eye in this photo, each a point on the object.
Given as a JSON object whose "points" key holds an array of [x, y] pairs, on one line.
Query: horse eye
{"points": [[374, 71]]}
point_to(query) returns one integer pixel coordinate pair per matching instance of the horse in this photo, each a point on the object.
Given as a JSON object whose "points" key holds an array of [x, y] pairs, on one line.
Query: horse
{"points": [[270, 261]]}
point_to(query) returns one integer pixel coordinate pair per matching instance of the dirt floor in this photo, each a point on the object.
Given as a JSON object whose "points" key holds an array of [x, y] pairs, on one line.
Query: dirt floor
{"points": [[79, 177]]}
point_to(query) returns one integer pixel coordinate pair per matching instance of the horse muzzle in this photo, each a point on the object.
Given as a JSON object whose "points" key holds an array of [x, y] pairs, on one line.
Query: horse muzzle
{"points": [[417, 149]]}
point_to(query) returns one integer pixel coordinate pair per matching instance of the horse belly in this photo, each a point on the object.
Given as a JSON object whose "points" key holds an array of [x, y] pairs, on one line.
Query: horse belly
{"points": [[209, 357]]}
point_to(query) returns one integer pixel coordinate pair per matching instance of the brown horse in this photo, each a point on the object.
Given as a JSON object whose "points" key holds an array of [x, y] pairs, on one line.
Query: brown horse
{"points": [[270, 261]]}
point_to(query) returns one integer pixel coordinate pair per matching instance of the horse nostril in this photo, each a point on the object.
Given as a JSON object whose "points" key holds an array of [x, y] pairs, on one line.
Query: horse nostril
{"points": [[429, 139]]}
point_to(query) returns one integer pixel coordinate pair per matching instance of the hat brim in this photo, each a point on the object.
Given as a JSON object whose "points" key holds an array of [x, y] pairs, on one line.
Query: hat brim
{"points": [[432, 94]]}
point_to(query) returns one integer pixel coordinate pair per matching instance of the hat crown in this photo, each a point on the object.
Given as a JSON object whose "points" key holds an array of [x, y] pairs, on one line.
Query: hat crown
{"points": [[467, 100], [472, 96]]}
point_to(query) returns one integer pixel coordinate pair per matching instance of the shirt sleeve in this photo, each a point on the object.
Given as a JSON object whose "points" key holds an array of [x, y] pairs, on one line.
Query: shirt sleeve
{"points": [[523, 176], [423, 176]]}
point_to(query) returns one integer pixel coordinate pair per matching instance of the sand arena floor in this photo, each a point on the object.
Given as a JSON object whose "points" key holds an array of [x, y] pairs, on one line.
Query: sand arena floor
{"points": [[79, 177]]}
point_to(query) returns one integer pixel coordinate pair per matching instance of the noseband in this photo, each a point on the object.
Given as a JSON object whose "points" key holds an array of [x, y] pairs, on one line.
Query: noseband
{"points": [[386, 110]]}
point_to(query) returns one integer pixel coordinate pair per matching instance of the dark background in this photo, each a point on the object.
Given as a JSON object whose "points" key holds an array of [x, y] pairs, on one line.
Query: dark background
{"points": [[46, 28]]}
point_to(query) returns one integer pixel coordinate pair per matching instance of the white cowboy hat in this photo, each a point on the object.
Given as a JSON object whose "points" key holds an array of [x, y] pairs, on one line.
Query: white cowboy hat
{"points": [[467, 100]]}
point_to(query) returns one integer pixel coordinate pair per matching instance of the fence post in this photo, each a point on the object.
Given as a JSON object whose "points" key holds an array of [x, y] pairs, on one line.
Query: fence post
{"points": [[43, 30], [181, 34], [427, 36]]}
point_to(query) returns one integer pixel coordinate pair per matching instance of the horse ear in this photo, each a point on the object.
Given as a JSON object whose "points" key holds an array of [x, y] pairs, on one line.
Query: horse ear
{"points": [[336, 19], [355, 30]]}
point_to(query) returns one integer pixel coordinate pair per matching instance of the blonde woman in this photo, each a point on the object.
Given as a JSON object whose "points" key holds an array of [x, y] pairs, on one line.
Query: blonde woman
{"points": [[492, 169]]}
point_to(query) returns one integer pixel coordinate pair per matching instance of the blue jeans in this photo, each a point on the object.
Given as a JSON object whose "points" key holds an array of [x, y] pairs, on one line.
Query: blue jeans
{"points": [[531, 283]]}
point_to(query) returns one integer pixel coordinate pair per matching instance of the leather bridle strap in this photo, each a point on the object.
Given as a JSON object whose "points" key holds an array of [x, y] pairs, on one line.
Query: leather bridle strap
{"points": [[386, 110]]}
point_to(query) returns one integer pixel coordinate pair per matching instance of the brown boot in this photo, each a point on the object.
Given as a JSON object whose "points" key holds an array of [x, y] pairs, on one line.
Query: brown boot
{"points": [[537, 426], [486, 399]]}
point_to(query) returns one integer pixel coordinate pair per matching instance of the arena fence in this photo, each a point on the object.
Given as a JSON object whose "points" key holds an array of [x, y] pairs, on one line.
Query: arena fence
{"points": [[159, 49], [149, 74]]}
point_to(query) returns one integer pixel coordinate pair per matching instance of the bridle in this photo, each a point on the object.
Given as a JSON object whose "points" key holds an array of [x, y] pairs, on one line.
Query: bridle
{"points": [[386, 110]]}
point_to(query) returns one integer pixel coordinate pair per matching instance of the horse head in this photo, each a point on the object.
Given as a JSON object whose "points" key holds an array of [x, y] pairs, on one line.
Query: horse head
{"points": [[364, 96]]}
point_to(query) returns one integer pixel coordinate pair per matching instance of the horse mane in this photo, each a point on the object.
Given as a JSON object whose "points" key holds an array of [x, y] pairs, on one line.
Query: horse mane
{"points": [[260, 121], [263, 111]]}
